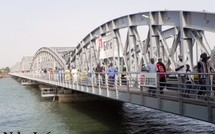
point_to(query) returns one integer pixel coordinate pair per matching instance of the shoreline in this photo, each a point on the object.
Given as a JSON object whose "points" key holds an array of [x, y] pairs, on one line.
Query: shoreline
{"points": [[5, 76]]}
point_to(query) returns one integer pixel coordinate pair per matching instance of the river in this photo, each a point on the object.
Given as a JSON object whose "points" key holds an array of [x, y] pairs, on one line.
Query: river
{"points": [[24, 111]]}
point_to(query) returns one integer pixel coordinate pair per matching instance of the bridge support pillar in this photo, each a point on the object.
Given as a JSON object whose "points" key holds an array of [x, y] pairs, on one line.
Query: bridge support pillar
{"points": [[66, 95], [76, 98], [27, 82]]}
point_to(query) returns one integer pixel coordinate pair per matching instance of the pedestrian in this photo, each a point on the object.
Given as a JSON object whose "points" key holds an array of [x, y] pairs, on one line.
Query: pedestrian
{"points": [[203, 67], [162, 76], [112, 73], [100, 75], [188, 81], [211, 62], [89, 76], [67, 75], [74, 73], [181, 68], [45, 73], [151, 68]]}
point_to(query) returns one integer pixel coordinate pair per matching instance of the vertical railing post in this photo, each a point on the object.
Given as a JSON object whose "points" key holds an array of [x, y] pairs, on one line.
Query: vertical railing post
{"points": [[128, 87], [94, 81], [72, 80], [208, 93], [100, 81], [117, 92], [207, 87], [141, 89], [158, 92], [120, 78], [180, 92], [106, 82]]}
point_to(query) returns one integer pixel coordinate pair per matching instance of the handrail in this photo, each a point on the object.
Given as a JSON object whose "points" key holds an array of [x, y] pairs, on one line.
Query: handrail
{"points": [[172, 87]]}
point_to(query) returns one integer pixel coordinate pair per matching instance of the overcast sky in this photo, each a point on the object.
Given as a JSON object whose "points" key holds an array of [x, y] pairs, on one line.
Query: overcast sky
{"points": [[27, 25]]}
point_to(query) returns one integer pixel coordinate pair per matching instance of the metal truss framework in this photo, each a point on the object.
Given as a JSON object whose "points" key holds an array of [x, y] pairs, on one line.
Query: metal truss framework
{"points": [[47, 58], [23, 66], [167, 34], [132, 40], [184, 29], [26, 63], [16, 67]]}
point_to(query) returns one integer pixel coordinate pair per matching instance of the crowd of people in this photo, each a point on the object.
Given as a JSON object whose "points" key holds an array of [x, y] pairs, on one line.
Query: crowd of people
{"points": [[205, 66], [102, 73], [60, 74], [57, 74]]}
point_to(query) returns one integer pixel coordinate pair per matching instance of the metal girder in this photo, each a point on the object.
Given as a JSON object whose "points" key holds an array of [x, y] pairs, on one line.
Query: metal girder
{"points": [[44, 55], [155, 44], [26, 63], [186, 27], [167, 51]]}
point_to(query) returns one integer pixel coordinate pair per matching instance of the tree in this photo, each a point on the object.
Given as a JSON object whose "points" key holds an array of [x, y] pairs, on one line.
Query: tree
{"points": [[7, 69]]}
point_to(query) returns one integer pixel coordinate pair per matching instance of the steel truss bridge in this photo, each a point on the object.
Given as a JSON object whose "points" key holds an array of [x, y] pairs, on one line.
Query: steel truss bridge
{"points": [[130, 41]]}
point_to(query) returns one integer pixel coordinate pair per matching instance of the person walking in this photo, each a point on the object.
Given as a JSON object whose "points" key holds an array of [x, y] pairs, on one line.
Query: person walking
{"points": [[111, 72], [100, 74], [151, 68], [203, 67], [181, 68], [188, 81], [162, 76], [211, 62]]}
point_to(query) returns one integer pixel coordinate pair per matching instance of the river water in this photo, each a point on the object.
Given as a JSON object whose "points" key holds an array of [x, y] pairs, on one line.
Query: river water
{"points": [[23, 111]]}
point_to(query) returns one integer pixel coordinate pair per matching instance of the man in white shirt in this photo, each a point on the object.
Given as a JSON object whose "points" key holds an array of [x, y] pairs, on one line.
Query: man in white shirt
{"points": [[152, 68], [181, 68], [180, 65]]}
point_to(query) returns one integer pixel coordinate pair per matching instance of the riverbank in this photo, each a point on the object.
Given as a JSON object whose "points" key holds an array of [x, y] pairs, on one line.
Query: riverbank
{"points": [[5, 76]]}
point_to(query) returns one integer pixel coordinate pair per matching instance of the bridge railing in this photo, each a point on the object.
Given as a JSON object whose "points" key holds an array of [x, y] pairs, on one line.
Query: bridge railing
{"points": [[175, 86]]}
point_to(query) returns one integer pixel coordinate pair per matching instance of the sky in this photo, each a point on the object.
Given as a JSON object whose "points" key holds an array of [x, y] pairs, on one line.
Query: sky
{"points": [[27, 25]]}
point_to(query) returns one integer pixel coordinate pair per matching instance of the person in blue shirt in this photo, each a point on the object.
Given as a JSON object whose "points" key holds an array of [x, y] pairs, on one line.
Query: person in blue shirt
{"points": [[111, 72]]}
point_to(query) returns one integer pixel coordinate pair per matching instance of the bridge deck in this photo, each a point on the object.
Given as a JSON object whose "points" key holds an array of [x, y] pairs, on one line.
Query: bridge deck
{"points": [[171, 100]]}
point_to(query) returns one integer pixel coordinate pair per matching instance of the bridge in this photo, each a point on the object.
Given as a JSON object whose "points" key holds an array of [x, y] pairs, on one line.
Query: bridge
{"points": [[129, 42]]}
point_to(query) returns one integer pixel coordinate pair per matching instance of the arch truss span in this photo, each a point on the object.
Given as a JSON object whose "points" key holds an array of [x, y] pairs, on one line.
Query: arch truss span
{"points": [[26, 63], [132, 40], [47, 58]]}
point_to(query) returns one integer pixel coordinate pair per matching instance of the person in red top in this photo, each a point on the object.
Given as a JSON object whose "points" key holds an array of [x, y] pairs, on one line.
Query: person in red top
{"points": [[162, 77]]}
